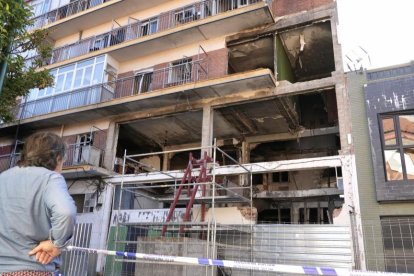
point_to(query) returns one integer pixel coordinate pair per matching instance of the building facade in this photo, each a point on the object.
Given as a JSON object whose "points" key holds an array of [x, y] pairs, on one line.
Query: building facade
{"points": [[383, 156], [257, 85]]}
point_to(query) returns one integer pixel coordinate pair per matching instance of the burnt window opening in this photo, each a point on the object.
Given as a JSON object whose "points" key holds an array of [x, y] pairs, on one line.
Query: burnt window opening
{"points": [[257, 179], [280, 177], [305, 53], [251, 54]]}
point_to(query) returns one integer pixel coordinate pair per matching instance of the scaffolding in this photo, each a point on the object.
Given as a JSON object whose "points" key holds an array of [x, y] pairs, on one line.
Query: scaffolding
{"points": [[204, 209], [190, 231]]}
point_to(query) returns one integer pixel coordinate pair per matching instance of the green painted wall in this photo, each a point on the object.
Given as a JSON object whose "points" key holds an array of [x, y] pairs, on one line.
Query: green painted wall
{"points": [[284, 69]]}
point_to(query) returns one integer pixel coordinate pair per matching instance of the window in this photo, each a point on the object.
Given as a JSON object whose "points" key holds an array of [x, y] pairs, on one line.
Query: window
{"points": [[397, 135], [71, 77], [149, 26], [142, 82], [185, 15], [280, 177], [82, 148], [85, 203], [180, 71], [397, 236], [257, 179], [40, 7]]}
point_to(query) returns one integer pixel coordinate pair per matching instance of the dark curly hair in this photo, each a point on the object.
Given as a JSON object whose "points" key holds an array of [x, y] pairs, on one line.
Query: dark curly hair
{"points": [[42, 149]]}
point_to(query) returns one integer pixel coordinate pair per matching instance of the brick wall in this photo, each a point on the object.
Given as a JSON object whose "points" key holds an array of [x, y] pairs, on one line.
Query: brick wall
{"points": [[6, 149], [216, 64], [284, 7], [125, 84]]}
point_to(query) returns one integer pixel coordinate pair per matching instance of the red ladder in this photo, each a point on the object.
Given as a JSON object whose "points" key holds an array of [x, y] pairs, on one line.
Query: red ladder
{"points": [[187, 179]]}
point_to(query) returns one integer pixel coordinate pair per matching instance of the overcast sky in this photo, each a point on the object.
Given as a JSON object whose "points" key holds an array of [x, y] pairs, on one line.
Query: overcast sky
{"points": [[384, 28]]}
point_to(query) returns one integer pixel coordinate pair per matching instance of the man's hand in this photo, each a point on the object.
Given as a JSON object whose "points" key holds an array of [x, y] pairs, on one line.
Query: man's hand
{"points": [[45, 252]]}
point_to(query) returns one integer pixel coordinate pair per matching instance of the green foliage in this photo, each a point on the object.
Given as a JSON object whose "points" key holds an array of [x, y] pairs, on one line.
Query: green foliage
{"points": [[15, 43]]}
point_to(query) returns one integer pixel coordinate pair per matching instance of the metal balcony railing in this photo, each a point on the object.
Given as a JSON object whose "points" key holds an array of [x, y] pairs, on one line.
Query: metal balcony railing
{"points": [[162, 22], [76, 98], [63, 12], [8, 161], [77, 154], [184, 71]]}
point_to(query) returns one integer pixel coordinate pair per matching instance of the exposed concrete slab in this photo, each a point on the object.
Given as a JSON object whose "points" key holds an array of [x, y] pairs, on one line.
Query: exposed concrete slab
{"points": [[261, 167], [85, 171], [218, 87], [299, 194]]}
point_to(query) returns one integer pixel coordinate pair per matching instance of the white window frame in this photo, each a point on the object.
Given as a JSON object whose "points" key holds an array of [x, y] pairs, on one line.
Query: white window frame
{"points": [[36, 94], [174, 73], [142, 73]]}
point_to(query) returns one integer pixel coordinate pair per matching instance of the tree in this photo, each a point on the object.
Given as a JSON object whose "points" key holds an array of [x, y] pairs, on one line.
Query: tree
{"points": [[15, 44]]}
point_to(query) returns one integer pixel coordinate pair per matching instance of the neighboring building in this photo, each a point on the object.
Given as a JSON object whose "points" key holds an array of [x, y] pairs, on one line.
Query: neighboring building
{"points": [[262, 80], [382, 107]]}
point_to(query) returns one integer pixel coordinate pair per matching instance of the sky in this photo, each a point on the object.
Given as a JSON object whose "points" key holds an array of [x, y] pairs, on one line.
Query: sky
{"points": [[383, 28]]}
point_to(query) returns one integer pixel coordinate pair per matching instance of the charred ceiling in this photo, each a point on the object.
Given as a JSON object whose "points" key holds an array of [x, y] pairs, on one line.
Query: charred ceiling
{"points": [[309, 51]]}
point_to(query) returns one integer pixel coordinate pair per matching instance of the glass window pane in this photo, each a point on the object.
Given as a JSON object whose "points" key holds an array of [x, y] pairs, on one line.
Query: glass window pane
{"points": [[98, 73], [409, 162], [85, 63], [407, 129], [66, 68], [393, 166], [100, 59], [78, 78], [68, 81], [32, 94], [87, 77], [389, 131], [59, 83]]}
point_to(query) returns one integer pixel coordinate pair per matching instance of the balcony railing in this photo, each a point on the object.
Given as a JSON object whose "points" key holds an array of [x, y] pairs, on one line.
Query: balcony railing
{"points": [[76, 98], [64, 11], [162, 22], [77, 154], [8, 161], [185, 71]]}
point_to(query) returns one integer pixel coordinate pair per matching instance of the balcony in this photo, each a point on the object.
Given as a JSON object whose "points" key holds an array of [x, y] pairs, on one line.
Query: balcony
{"points": [[146, 90], [185, 71], [80, 97], [199, 21], [97, 11], [84, 160], [81, 160], [8, 161]]}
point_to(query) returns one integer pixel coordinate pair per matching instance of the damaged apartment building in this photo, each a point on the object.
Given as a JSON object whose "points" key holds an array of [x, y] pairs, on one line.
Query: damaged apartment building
{"points": [[247, 94]]}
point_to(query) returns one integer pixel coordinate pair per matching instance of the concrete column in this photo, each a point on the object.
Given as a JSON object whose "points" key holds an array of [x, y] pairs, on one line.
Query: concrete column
{"points": [[166, 161], [245, 154], [207, 129], [111, 144]]}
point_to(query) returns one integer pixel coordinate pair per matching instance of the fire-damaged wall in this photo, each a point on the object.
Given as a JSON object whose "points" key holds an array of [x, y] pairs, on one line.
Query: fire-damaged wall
{"points": [[389, 102]]}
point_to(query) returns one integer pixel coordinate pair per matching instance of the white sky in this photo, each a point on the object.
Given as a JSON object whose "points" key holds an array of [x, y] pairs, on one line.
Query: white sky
{"points": [[384, 28]]}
